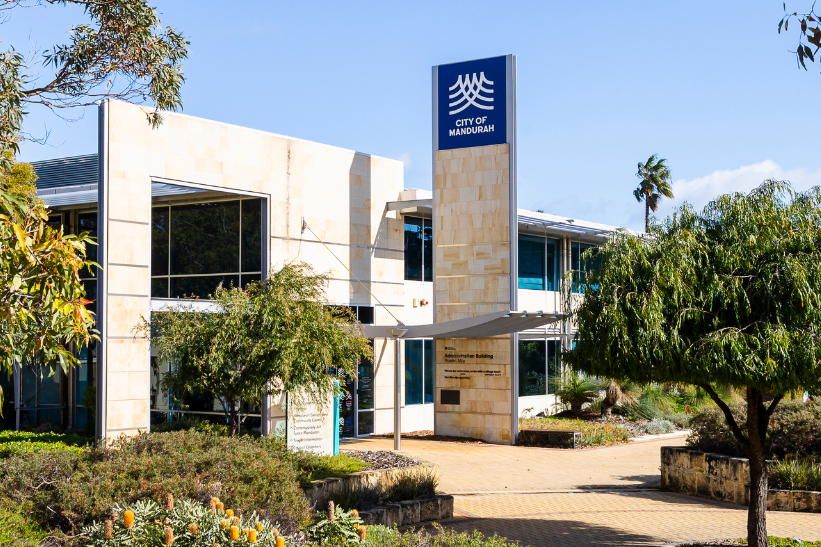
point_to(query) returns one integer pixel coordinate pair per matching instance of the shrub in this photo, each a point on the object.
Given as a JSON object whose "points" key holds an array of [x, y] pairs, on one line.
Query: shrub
{"points": [[18, 531], [313, 467], [795, 474], [593, 433], [575, 389], [658, 426], [337, 527], [21, 442], [793, 431], [410, 484], [186, 523], [68, 490], [380, 536], [191, 423]]}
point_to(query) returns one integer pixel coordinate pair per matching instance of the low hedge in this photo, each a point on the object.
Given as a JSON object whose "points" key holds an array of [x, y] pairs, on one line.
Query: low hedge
{"points": [[593, 433], [22, 442], [68, 489], [793, 431]]}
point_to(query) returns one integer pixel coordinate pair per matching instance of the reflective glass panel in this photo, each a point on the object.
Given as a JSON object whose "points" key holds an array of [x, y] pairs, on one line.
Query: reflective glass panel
{"points": [[414, 369], [532, 368], [251, 235], [365, 385], [413, 249], [428, 371], [428, 248], [532, 263], [201, 286], [205, 238], [159, 287], [365, 423], [87, 222], [553, 365], [159, 240]]}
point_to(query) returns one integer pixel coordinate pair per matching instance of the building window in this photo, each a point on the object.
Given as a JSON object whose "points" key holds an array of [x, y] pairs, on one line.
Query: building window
{"points": [[363, 314], [538, 367], [418, 249], [582, 266], [418, 372], [196, 247], [538, 263]]}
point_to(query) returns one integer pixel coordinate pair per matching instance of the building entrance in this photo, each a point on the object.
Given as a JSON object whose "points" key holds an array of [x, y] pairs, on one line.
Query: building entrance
{"points": [[356, 404]]}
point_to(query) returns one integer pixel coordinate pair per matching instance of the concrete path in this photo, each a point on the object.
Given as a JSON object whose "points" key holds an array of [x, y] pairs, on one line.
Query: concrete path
{"points": [[563, 498]]}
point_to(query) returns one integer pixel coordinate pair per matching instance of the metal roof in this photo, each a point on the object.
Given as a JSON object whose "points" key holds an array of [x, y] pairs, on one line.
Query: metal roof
{"points": [[489, 324], [73, 171], [86, 194]]}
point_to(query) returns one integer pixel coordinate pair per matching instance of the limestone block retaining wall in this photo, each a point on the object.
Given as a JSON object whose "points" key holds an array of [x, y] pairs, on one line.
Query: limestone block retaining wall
{"points": [[725, 478], [362, 480], [408, 513]]}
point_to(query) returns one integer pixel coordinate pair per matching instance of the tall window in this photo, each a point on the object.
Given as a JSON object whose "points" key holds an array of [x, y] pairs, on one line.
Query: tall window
{"points": [[418, 372], [418, 249], [196, 247], [538, 367], [538, 263], [582, 265]]}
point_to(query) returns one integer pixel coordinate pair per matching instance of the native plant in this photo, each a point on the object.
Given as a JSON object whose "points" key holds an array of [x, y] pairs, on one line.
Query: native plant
{"points": [[42, 300], [728, 295], [655, 184], [337, 527], [576, 389], [276, 336]]}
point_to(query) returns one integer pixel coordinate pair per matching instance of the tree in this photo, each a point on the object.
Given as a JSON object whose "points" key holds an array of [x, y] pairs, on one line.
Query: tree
{"points": [[276, 336], [729, 295], [616, 392], [655, 183], [42, 300], [122, 54], [809, 30]]}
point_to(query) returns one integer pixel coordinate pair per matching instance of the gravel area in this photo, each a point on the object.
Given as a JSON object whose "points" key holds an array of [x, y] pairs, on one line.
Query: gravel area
{"points": [[382, 459]]}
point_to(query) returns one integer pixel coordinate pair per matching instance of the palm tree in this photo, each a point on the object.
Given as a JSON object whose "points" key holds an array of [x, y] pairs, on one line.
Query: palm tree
{"points": [[655, 183]]}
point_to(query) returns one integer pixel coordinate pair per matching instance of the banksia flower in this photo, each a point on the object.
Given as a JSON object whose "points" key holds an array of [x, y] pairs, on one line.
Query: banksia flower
{"points": [[280, 541], [275, 532], [169, 502], [224, 523], [109, 529], [259, 527], [229, 512], [252, 536], [331, 511], [128, 518], [212, 506], [363, 532], [220, 506], [115, 515], [216, 545], [354, 513], [194, 529], [234, 533], [169, 535]]}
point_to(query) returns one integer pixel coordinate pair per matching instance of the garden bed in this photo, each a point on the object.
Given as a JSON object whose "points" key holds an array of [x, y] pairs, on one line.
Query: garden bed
{"points": [[427, 435]]}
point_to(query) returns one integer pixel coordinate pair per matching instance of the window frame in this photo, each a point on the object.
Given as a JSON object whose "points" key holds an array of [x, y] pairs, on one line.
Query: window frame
{"points": [[426, 264]]}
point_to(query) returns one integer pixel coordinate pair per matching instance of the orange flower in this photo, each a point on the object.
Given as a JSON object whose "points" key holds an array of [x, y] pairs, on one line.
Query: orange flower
{"points": [[194, 529], [224, 523], [229, 512], [252, 536], [128, 518], [280, 541], [259, 527], [363, 532], [234, 533], [220, 506], [354, 513]]}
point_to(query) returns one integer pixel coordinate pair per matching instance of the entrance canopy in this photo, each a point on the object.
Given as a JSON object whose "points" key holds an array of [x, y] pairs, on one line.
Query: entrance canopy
{"points": [[490, 324]]}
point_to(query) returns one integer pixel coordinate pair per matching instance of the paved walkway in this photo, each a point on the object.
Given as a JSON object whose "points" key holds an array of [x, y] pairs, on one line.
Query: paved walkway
{"points": [[563, 498]]}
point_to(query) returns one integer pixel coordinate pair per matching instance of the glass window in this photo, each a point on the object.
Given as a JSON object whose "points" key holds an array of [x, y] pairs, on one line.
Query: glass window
{"points": [[532, 368], [87, 222], [202, 286], [552, 264], [418, 372], [251, 235], [580, 265], [205, 238], [553, 365], [159, 240], [413, 249], [532, 263], [427, 259]]}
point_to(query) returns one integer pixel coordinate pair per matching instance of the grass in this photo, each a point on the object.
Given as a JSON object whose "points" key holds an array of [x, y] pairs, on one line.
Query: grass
{"points": [[795, 474], [593, 433], [786, 542]]}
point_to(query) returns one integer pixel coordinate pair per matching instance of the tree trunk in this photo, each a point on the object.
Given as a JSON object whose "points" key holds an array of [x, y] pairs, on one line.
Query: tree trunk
{"points": [[576, 409], [606, 409], [646, 214], [757, 422]]}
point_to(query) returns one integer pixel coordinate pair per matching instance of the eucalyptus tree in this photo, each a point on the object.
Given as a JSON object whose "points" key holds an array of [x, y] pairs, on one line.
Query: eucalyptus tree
{"points": [[730, 295], [274, 337], [123, 52], [655, 183], [42, 300]]}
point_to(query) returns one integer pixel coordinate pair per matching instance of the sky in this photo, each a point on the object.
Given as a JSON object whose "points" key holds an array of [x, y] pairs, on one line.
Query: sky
{"points": [[710, 86]]}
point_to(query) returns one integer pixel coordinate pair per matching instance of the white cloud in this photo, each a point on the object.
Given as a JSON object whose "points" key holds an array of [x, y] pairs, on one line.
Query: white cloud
{"points": [[405, 158], [699, 191]]}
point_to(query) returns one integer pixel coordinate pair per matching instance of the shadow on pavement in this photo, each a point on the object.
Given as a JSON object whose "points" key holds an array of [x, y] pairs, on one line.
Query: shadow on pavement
{"points": [[555, 533]]}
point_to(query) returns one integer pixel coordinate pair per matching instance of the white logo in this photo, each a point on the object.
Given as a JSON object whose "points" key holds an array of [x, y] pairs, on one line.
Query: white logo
{"points": [[469, 91]]}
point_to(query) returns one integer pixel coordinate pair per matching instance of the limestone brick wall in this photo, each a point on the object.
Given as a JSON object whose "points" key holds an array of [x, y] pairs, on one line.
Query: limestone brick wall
{"points": [[471, 219], [725, 478], [341, 194]]}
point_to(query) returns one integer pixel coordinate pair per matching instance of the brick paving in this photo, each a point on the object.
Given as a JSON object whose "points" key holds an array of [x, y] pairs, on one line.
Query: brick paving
{"points": [[581, 498]]}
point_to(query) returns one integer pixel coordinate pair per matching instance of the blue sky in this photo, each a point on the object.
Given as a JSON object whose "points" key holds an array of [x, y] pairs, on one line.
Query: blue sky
{"points": [[710, 86]]}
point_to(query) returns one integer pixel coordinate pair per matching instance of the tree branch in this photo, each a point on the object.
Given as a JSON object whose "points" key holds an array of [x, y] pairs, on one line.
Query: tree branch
{"points": [[772, 406], [728, 414]]}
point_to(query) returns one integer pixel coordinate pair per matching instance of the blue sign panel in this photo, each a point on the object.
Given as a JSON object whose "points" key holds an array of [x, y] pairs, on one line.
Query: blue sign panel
{"points": [[471, 103]]}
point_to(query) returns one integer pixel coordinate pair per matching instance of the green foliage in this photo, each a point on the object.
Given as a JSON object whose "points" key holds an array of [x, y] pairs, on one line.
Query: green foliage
{"points": [[16, 530], [793, 431], [42, 300], [789, 542], [659, 426], [335, 527], [20, 442], [277, 333], [380, 536], [191, 423], [795, 474], [125, 39], [313, 466], [809, 30], [413, 483], [68, 490], [575, 389], [151, 523], [655, 183], [593, 433]]}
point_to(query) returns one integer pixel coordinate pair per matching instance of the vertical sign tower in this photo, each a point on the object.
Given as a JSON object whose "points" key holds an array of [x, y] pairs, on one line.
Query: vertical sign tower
{"points": [[475, 239]]}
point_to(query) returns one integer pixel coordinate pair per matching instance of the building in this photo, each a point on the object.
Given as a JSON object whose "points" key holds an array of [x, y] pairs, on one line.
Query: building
{"points": [[179, 209]]}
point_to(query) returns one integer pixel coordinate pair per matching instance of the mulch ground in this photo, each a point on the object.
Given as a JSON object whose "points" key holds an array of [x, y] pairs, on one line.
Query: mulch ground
{"points": [[382, 459]]}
